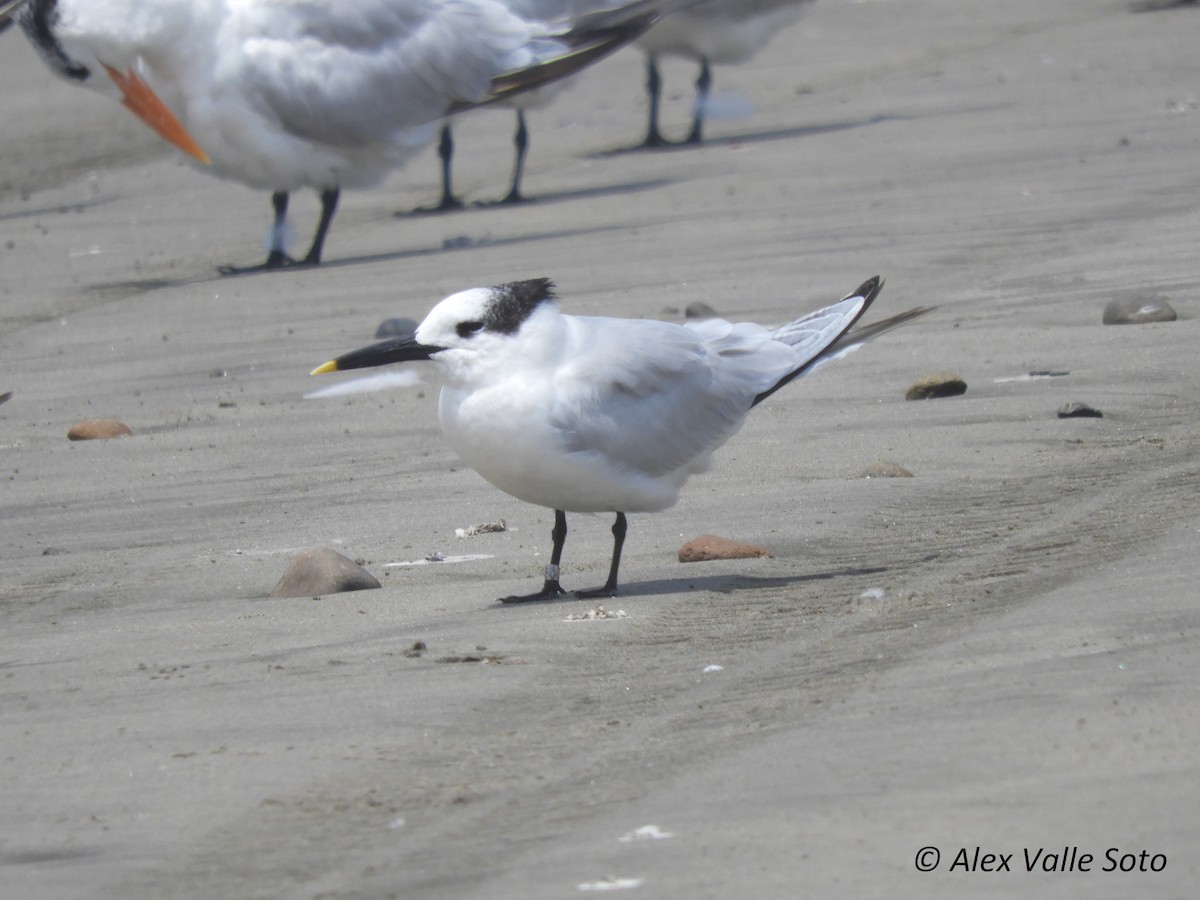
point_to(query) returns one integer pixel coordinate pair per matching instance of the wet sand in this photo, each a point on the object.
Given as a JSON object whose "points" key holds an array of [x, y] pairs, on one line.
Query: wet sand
{"points": [[998, 653]]}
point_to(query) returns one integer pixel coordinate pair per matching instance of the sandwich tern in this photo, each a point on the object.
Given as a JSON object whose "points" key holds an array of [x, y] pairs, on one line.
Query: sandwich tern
{"points": [[589, 414], [285, 94]]}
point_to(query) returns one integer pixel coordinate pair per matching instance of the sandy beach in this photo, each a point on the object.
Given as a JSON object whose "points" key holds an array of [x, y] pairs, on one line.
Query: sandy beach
{"points": [[997, 656]]}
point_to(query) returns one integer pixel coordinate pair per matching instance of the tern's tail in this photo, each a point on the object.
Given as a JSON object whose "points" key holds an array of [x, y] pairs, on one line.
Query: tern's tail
{"points": [[825, 335]]}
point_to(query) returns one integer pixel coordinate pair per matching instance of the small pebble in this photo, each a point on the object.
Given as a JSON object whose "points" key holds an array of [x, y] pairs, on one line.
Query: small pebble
{"points": [[5, 397], [1138, 311], [97, 430], [885, 470], [321, 571], [1077, 410], [399, 327], [936, 384], [700, 310], [709, 546]]}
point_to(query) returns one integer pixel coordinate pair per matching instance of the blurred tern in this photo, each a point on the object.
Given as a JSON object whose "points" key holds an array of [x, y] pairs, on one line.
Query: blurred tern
{"points": [[587, 414], [7, 11], [550, 11], [710, 32], [284, 94]]}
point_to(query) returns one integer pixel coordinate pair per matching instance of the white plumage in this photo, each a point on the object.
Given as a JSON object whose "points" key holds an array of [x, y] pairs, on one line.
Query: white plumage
{"points": [[593, 414]]}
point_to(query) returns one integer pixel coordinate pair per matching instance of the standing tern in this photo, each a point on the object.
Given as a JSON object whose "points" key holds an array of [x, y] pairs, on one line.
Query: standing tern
{"points": [[285, 94], [709, 32], [551, 11], [587, 414]]}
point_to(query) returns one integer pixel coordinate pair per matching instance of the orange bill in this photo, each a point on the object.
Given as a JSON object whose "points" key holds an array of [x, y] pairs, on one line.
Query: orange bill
{"points": [[144, 104]]}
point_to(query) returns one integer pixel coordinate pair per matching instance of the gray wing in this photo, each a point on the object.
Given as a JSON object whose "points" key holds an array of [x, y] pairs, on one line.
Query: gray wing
{"points": [[358, 71], [655, 398]]}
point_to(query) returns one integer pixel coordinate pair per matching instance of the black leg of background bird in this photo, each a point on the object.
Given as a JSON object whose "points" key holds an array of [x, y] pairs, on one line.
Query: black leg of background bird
{"points": [[445, 152], [521, 142], [703, 85], [654, 137], [329, 202], [550, 588], [610, 586], [446, 155]]}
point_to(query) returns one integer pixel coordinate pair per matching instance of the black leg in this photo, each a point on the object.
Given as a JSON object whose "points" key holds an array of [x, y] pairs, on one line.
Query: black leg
{"points": [[703, 85], [521, 142], [446, 155], [329, 202], [654, 137], [445, 151], [550, 588], [610, 586]]}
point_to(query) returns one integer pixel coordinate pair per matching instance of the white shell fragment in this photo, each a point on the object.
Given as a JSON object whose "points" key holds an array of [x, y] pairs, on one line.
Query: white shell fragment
{"points": [[645, 833]]}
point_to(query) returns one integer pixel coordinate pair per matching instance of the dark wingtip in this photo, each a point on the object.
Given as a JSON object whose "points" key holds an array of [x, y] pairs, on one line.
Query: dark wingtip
{"points": [[868, 290]]}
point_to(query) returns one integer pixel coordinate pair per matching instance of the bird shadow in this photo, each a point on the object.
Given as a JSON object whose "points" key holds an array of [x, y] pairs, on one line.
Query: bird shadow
{"points": [[1145, 6], [723, 584], [465, 242], [60, 209], [541, 199], [749, 137], [450, 245]]}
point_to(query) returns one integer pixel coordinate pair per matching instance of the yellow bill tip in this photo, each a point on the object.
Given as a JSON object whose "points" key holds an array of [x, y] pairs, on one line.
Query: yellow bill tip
{"points": [[330, 366]]}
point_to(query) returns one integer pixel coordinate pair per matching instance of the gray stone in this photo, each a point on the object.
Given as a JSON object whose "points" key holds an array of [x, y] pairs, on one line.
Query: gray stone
{"points": [[1078, 410], [1138, 311], [700, 310], [322, 571], [398, 327]]}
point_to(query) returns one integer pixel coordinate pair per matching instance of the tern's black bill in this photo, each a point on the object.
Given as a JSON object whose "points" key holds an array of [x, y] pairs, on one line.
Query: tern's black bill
{"points": [[405, 349]]}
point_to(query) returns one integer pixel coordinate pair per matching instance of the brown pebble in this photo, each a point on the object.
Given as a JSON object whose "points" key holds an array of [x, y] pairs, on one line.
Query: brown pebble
{"points": [[885, 470], [936, 384], [709, 546], [97, 430], [1078, 410], [321, 571], [1138, 311]]}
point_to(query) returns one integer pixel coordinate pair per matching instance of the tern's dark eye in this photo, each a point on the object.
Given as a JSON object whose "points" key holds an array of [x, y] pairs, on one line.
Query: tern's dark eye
{"points": [[466, 329]]}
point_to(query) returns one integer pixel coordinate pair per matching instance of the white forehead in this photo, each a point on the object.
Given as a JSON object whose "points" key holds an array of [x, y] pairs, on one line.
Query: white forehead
{"points": [[470, 305]]}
